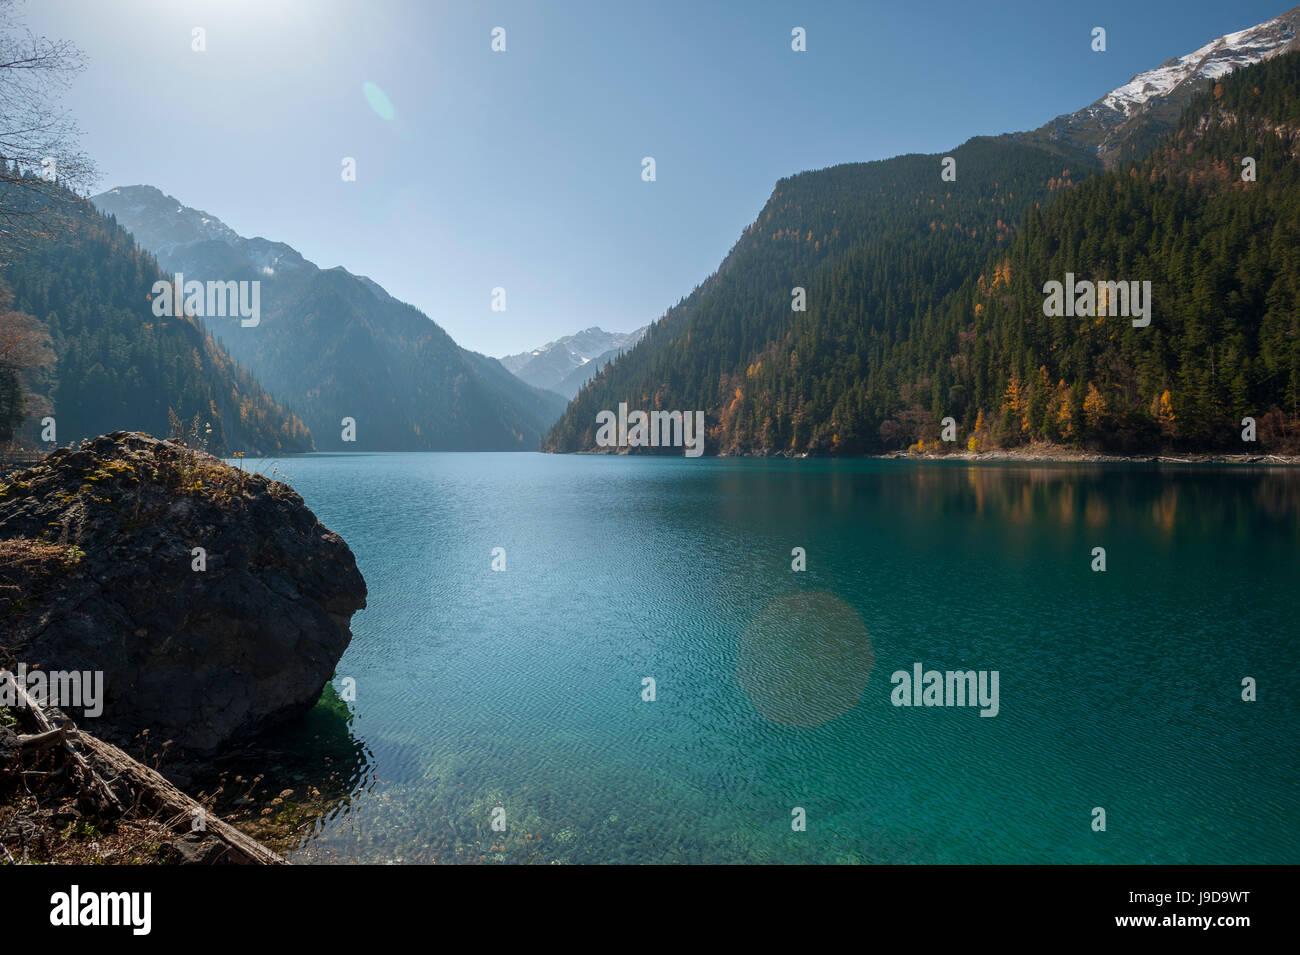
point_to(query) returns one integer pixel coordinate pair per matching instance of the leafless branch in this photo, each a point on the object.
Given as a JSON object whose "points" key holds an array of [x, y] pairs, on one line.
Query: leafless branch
{"points": [[40, 152]]}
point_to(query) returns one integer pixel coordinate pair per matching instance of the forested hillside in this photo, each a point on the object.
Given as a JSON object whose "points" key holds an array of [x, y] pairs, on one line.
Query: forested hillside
{"points": [[873, 245], [932, 303], [1223, 258], [99, 360], [335, 345]]}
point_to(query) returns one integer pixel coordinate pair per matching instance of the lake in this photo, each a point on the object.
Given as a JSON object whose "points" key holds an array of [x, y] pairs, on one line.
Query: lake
{"points": [[521, 695]]}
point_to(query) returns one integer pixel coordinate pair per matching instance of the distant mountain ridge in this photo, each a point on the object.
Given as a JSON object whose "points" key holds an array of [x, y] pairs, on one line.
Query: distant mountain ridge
{"points": [[1127, 121], [568, 363], [335, 345]]}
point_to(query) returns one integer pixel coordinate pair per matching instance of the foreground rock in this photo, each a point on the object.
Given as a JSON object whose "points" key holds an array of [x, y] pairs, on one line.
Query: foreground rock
{"points": [[97, 556]]}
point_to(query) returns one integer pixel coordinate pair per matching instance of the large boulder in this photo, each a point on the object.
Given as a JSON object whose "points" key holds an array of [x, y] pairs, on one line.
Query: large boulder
{"points": [[97, 572]]}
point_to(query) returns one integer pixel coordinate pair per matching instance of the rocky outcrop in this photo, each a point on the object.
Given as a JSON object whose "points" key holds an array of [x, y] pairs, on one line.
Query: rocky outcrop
{"points": [[100, 570]]}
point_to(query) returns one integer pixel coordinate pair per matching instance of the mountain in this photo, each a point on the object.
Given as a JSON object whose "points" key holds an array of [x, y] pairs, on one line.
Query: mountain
{"points": [[334, 345], [1219, 248], [575, 379], [925, 299], [565, 365], [1127, 121], [902, 235], [80, 290]]}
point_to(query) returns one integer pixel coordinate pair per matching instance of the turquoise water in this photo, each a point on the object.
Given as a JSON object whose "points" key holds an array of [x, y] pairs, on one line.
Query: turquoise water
{"points": [[523, 689]]}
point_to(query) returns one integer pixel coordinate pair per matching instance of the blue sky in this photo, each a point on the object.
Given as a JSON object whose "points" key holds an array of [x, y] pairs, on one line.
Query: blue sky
{"points": [[522, 169]]}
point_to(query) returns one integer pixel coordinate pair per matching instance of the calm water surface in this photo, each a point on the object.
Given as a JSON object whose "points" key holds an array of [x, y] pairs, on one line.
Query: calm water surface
{"points": [[523, 689]]}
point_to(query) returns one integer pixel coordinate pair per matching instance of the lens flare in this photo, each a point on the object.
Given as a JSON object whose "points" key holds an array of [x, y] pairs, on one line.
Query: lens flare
{"points": [[378, 100], [805, 659]]}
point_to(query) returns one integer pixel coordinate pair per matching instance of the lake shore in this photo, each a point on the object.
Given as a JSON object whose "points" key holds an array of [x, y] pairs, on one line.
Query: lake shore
{"points": [[1030, 454], [68, 797], [1055, 454]]}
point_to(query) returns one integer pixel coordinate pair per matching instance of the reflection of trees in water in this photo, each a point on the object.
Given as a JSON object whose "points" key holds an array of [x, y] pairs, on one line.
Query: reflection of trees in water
{"points": [[1218, 498], [1201, 498], [1134, 495]]}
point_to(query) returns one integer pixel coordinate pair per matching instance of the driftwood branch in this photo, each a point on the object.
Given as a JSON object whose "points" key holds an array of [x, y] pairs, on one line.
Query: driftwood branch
{"points": [[46, 727], [163, 796], [38, 741], [148, 785]]}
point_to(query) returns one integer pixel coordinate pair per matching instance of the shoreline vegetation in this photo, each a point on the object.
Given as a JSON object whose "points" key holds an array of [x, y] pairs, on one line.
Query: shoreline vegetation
{"points": [[68, 797], [1056, 455], [1030, 454]]}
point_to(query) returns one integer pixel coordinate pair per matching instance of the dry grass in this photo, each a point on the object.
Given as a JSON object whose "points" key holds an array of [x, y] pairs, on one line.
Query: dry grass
{"points": [[26, 565], [46, 818], [31, 556], [55, 832]]}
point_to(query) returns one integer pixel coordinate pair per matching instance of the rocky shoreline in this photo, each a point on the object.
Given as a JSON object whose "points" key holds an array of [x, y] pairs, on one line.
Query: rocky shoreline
{"points": [[1058, 455], [1029, 454], [67, 797], [186, 606]]}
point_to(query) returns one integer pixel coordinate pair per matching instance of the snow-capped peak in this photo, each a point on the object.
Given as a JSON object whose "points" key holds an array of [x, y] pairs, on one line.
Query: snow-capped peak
{"points": [[1212, 61], [1125, 120]]}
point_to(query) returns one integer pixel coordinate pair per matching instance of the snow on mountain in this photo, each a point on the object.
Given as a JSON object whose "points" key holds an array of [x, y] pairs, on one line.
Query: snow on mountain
{"points": [[181, 237], [1210, 62], [1130, 118], [171, 223], [554, 366]]}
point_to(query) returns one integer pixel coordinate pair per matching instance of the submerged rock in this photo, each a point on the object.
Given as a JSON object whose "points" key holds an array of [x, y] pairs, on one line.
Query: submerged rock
{"points": [[99, 572]]}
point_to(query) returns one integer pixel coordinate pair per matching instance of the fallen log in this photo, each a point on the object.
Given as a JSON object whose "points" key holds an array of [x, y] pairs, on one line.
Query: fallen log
{"points": [[179, 808], [145, 785]]}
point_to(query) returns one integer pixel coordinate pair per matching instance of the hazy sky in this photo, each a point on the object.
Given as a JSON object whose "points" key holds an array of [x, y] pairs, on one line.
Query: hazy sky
{"points": [[522, 169]]}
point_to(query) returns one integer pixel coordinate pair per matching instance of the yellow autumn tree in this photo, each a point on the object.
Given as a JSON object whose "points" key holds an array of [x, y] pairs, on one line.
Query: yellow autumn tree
{"points": [[1016, 400], [1002, 271], [1094, 407], [1162, 409], [1060, 408]]}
